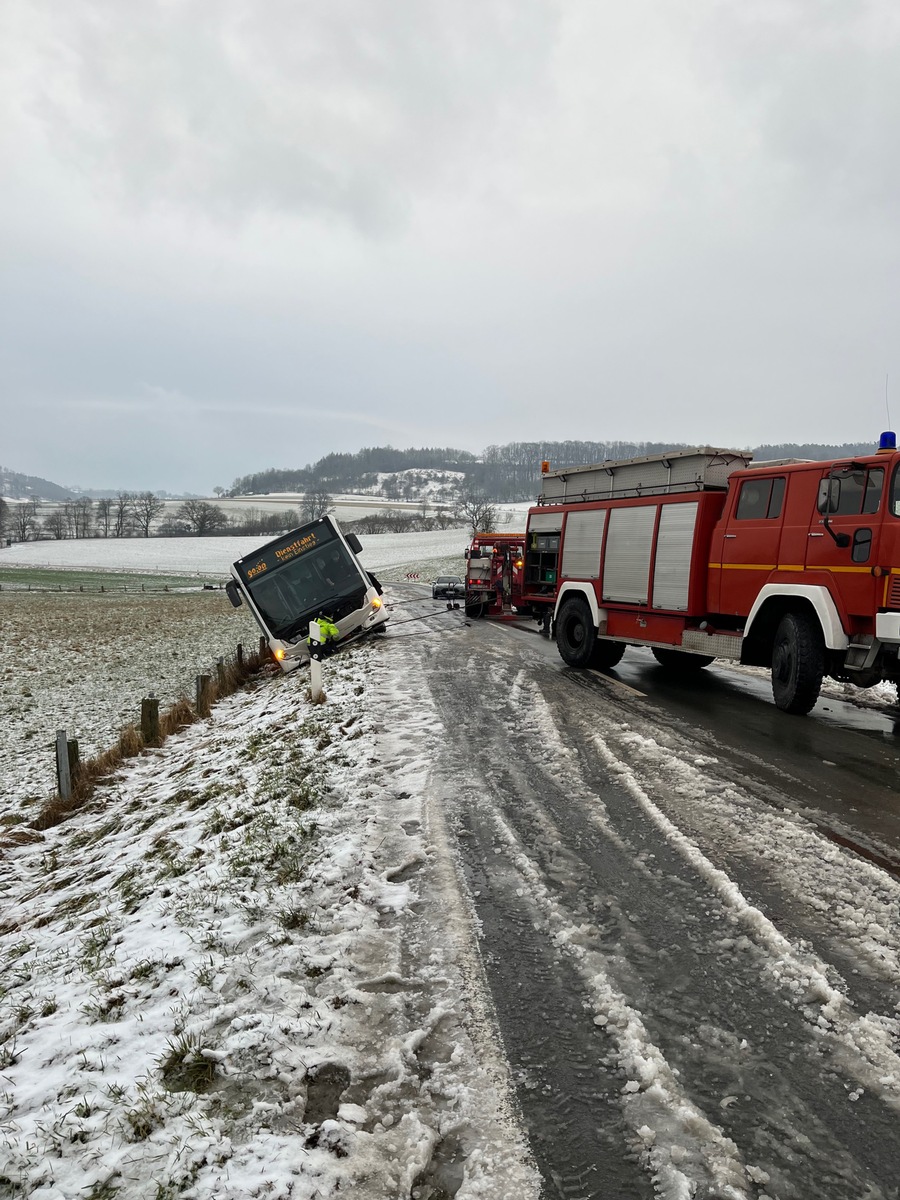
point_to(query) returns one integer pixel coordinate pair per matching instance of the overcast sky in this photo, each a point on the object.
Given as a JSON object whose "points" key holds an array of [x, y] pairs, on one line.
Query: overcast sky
{"points": [[238, 235]]}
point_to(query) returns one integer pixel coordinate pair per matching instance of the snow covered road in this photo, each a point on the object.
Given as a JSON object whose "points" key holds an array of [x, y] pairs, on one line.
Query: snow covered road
{"points": [[688, 973]]}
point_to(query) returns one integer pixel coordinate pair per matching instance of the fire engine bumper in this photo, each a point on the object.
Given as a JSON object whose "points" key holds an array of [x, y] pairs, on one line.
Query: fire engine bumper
{"points": [[887, 627]]}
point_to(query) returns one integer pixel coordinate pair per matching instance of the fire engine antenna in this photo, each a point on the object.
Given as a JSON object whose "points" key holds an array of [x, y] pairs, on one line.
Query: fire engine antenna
{"points": [[886, 404]]}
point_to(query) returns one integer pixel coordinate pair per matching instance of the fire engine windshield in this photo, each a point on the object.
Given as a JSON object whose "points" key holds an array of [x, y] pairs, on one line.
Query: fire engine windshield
{"points": [[325, 581]]}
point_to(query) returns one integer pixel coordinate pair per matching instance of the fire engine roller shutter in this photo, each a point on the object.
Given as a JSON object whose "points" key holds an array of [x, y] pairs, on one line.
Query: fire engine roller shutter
{"points": [[671, 574], [545, 523], [581, 548], [626, 564]]}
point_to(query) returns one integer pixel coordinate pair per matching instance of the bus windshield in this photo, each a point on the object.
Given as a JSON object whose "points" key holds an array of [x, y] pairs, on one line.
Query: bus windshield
{"points": [[324, 581]]}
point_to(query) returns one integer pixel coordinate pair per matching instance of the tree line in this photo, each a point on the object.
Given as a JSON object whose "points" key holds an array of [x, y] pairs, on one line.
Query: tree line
{"points": [[357, 471], [507, 473], [129, 514]]}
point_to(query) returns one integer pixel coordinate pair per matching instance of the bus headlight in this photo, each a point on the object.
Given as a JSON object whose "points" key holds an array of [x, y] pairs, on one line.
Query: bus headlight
{"points": [[279, 654]]}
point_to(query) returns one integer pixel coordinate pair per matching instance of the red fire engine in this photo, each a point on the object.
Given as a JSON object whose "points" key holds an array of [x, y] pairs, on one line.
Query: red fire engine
{"points": [[495, 574], [702, 554]]}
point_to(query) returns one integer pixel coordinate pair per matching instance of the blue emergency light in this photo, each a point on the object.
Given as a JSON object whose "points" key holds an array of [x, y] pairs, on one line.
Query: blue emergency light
{"points": [[888, 440]]}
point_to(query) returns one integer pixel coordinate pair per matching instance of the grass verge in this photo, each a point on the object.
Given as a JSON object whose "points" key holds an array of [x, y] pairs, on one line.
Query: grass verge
{"points": [[131, 742]]}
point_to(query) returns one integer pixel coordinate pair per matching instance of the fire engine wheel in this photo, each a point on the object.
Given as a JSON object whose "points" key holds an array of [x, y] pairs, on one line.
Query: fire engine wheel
{"points": [[798, 663], [680, 660], [606, 654], [575, 633]]}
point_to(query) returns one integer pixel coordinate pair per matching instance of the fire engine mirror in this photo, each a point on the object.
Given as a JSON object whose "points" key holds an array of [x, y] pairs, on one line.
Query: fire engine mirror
{"points": [[829, 495]]}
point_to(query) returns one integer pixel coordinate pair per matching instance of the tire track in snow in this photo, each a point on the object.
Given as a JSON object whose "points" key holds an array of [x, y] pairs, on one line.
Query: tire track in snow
{"points": [[515, 716]]}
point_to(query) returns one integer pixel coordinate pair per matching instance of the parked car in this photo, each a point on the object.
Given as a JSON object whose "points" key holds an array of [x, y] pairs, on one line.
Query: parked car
{"points": [[448, 587]]}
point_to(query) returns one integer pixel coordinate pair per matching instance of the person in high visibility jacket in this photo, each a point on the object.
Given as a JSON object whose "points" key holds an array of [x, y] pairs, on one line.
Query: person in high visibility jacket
{"points": [[328, 636]]}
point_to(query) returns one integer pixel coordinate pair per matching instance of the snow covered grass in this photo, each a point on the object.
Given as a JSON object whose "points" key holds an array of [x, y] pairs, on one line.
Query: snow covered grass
{"points": [[228, 977], [83, 663]]}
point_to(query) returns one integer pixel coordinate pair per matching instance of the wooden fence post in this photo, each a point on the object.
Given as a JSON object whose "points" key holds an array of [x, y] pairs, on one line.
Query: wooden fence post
{"points": [[63, 773], [74, 761], [203, 682], [263, 649], [150, 721], [239, 655], [220, 675]]}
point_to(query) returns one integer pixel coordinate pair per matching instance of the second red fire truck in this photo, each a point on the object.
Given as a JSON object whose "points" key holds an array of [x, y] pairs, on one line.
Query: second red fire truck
{"points": [[495, 575], [702, 554]]}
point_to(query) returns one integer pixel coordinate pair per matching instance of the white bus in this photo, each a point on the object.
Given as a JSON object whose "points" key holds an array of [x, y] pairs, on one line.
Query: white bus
{"points": [[306, 574]]}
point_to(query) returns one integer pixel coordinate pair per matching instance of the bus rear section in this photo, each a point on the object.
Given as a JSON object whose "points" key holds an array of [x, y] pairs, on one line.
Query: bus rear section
{"points": [[310, 573]]}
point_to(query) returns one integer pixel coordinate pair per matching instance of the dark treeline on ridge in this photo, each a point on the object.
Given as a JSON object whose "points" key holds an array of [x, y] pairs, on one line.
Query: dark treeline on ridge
{"points": [[505, 473]]}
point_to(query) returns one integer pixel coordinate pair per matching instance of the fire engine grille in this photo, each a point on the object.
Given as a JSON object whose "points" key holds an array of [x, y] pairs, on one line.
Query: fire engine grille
{"points": [[893, 599]]}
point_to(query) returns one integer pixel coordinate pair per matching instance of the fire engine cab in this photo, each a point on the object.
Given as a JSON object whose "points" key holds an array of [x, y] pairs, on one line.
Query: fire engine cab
{"points": [[703, 554]]}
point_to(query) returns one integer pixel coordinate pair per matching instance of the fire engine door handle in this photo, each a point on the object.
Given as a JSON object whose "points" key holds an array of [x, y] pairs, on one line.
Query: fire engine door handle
{"points": [[817, 535], [732, 535]]}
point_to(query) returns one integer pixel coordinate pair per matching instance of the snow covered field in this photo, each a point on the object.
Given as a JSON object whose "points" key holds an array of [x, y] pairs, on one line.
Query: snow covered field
{"points": [[210, 558]]}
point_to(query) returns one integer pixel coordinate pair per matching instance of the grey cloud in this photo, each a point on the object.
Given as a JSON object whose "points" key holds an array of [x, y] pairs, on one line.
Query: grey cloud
{"points": [[232, 107], [819, 84]]}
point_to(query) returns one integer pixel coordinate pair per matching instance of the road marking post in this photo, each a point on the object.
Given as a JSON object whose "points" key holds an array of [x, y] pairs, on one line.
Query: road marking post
{"points": [[316, 695]]}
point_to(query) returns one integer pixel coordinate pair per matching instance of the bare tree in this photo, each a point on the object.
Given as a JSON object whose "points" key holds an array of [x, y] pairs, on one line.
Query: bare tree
{"points": [[67, 513], [201, 517], [56, 523], [122, 511], [104, 515], [317, 502], [23, 523], [146, 507], [83, 515], [444, 518], [479, 513], [4, 516]]}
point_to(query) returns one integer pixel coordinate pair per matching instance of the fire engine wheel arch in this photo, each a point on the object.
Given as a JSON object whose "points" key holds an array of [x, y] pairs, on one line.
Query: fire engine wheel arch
{"points": [[576, 637], [778, 598], [798, 662]]}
